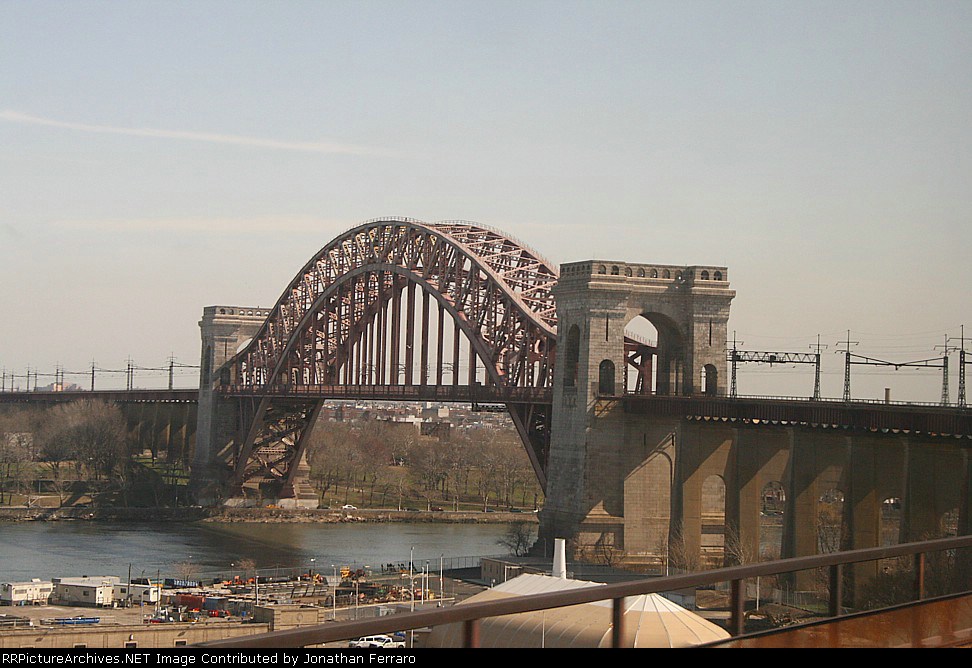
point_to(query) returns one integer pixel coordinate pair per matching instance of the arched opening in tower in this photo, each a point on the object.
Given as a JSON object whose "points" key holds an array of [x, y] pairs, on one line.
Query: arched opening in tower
{"points": [[653, 355]]}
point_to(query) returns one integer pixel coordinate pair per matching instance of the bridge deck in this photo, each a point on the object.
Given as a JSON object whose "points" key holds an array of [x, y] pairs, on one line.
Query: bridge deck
{"points": [[870, 416], [444, 393], [146, 396], [875, 417]]}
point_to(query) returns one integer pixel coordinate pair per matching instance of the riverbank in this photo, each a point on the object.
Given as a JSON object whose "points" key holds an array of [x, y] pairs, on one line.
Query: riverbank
{"points": [[256, 515]]}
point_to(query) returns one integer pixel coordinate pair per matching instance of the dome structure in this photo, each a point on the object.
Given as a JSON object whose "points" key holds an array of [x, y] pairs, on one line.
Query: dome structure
{"points": [[650, 620]]}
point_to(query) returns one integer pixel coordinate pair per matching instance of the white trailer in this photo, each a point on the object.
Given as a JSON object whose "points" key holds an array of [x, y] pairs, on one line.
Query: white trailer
{"points": [[35, 592]]}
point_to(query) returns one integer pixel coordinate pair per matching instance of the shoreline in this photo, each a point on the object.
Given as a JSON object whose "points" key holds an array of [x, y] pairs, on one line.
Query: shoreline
{"points": [[257, 515]]}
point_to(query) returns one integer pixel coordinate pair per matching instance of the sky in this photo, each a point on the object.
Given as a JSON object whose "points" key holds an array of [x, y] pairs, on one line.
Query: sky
{"points": [[157, 157]]}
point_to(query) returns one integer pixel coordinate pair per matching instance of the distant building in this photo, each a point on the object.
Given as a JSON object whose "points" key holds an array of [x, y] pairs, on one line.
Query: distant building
{"points": [[139, 593], [93, 591], [35, 592]]}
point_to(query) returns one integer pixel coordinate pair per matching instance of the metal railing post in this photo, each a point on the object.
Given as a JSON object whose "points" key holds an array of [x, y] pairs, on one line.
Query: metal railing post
{"points": [[617, 622], [737, 607], [470, 633], [836, 589], [919, 576]]}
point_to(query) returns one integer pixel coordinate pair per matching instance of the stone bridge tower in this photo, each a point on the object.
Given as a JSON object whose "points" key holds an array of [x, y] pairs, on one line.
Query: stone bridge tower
{"points": [[224, 330], [593, 458]]}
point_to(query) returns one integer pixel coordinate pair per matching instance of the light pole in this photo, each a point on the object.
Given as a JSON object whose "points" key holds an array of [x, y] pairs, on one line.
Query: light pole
{"points": [[411, 594], [425, 587], [334, 594]]}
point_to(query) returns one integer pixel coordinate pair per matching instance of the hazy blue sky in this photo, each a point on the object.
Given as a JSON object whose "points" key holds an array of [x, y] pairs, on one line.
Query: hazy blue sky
{"points": [[158, 157]]}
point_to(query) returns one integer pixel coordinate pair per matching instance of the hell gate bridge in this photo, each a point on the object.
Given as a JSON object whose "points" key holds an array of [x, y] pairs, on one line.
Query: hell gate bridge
{"points": [[637, 441], [634, 440]]}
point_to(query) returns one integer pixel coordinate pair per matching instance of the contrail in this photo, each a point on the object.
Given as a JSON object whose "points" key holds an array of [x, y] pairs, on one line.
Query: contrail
{"points": [[311, 147]]}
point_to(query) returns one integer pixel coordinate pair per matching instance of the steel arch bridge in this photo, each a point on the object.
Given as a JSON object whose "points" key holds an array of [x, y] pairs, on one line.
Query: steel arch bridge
{"points": [[397, 308]]}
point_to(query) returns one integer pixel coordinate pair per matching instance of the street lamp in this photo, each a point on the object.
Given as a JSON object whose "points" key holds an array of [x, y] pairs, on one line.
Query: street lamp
{"points": [[411, 594], [425, 587], [334, 594]]}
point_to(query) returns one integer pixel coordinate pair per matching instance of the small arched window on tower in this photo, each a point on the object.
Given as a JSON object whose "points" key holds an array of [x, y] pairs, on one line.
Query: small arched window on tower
{"points": [[654, 273], [571, 355], [602, 269], [605, 380], [614, 270], [666, 274], [705, 275], [718, 276]]}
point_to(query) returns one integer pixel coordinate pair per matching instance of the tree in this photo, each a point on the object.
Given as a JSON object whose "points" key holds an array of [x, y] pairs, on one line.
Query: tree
{"points": [[429, 463], [681, 557], [606, 552], [459, 461], [16, 441], [57, 449], [518, 539], [330, 453], [512, 466], [98, 434]]}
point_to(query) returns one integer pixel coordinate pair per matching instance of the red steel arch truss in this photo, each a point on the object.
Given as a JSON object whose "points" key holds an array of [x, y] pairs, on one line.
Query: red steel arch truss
{"points": [[398, 308]]}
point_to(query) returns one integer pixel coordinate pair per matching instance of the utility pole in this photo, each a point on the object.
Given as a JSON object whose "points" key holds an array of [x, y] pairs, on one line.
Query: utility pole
{"points": [[734, 358], [92, 375], [816, 373], [961, 369], [171, 364], [945, 349], [847, 363]]}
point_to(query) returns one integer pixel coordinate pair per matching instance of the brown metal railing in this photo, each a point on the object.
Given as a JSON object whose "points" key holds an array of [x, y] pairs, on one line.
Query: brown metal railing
{"points": [[469, 614], [446, 393], [872, 416]]}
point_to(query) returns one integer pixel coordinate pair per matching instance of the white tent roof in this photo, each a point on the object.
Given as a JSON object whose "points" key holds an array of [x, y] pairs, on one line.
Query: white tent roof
{"points": [[649, 621]]}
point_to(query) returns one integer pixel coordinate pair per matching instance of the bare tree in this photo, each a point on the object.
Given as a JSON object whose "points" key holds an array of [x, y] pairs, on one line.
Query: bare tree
{"points": [[681, 556], [606, 552], [16, 442], [98, 434], [737, 551], [57, 449], [518, 539]]}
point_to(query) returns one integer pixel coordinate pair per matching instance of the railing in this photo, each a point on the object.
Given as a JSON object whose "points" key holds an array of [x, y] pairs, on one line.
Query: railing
{"points": [[932, 419], [456, 393], [181, 395], [471, 614]]}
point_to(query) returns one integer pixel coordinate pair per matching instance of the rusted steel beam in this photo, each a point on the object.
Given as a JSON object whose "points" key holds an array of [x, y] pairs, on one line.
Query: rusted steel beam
{"points": [[424, 357]]}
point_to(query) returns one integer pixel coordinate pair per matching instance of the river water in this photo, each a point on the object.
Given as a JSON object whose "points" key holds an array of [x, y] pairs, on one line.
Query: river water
{"points": [[69, 549]]}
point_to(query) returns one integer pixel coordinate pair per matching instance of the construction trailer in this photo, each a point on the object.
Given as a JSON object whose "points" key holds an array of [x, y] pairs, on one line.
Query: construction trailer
{"points": [[35, 592], [96, 591]]}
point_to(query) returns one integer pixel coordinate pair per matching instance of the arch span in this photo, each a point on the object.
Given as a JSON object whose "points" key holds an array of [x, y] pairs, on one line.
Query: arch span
{"points": [[359, 316]]}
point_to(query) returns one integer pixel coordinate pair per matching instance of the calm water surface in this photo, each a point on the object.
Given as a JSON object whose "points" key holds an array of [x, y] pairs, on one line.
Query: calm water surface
{"points": [[68, 549]]}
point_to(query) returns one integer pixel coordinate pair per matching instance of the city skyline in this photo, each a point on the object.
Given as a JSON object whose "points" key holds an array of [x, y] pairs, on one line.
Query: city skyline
{"points": [[163, 157]]}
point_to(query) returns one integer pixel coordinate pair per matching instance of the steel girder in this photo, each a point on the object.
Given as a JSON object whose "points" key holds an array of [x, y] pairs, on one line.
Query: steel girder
{"points": [[341, 320]]}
